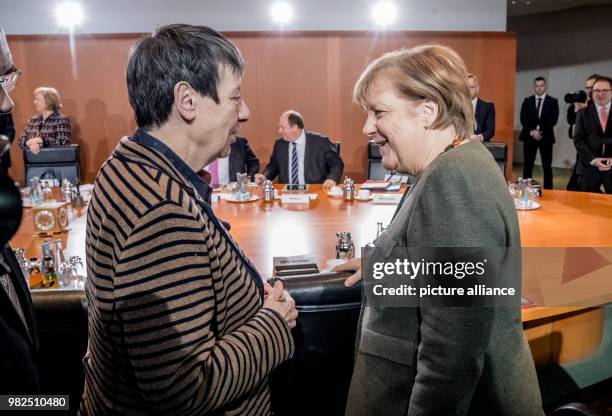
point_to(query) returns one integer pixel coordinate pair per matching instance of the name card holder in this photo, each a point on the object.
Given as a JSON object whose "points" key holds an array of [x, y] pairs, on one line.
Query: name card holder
{"points": [[393, 199], [295, 199]]}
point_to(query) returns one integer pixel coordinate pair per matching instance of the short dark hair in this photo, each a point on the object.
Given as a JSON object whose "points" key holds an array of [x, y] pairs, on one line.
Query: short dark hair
{"points": [[175, 53], [604, 79], [539, 79], [594, 76], [294, 118]]}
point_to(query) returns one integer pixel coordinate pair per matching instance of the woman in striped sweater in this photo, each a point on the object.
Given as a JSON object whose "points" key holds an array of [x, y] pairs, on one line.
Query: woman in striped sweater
{"points": [[179, 320]]}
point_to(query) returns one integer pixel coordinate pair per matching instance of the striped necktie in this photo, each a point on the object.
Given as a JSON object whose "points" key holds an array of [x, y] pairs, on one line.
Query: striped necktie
{"points": [[294, 164]]}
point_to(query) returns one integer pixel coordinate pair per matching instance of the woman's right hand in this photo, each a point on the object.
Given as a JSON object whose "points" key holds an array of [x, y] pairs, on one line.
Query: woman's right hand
{"points": [[280, 301], [352, 264], [34, 144]]}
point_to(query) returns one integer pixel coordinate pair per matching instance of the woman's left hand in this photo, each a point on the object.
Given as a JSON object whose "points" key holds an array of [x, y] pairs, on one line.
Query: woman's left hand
{"points": [[352, 264]]}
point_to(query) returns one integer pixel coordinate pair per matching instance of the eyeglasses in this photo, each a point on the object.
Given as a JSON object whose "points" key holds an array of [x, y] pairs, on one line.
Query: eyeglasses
{"points": [[9, 81], [601, 91]]}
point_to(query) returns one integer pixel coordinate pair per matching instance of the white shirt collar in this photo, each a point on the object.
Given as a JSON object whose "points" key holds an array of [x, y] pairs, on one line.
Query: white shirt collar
{"points": [[607, 107], [301, 138], [474, 102], [543, 96]]}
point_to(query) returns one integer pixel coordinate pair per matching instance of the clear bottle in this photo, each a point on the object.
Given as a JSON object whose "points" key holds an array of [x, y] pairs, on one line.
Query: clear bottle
{"points": [[59, 256], [66, 191]]}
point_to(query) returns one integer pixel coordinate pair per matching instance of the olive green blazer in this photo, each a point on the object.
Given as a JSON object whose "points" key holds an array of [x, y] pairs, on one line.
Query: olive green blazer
{"points": [[447, 361]]}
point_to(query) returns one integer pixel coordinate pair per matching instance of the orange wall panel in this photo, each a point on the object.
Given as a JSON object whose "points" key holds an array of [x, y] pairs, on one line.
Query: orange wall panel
{"points": [[312, 72]]}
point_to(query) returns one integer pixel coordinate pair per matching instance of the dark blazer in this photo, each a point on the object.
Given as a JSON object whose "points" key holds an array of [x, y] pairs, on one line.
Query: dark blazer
{"points": [[7, 127], [321, 160], [485, 119], [242, 159], [447, 360], [547, 120], [18, 344], [571, 118], [589, 139]]}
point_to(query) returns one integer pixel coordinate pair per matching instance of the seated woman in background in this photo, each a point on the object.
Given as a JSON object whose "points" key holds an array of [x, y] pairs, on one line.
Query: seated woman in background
{"points": [[49, 127]]}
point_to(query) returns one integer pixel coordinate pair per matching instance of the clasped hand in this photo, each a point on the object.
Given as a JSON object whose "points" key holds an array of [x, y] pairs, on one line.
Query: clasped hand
{"points": [[280, 300], [35, 144]]}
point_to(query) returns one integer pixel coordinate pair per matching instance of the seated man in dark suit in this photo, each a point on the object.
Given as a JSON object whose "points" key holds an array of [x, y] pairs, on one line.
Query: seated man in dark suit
{"points": [[18, 337], [484, 113], [539, 115], [241, 160], [301, 156], [593, 140]]}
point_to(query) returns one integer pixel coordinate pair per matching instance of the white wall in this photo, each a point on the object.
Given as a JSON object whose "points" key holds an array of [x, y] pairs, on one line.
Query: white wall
{"points": [[565, 48], [138, 16]]}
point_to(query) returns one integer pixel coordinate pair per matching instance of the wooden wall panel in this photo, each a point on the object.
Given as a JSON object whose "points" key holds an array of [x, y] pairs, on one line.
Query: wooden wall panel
{"points": [[313, 73]]}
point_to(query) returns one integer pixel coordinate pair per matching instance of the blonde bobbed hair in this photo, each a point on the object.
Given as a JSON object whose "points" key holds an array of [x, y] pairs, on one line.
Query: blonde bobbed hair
{"points": [[51, 96], [427, 72]]}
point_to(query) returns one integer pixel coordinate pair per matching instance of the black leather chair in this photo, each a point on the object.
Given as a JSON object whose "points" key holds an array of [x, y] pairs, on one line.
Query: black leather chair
{"points": [[61, 317], [376, 171], [55, 162], [317, 379], [500, 154]]}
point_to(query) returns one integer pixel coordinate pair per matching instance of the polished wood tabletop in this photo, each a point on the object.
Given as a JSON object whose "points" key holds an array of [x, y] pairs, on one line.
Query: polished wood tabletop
{"points": [[578, 225], [264, 230]]}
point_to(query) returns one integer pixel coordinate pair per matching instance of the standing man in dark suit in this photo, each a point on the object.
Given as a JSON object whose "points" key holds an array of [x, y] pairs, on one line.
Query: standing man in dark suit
{"points": [[484, 113], [593, 140], [18, 337], [7, 128], [572, 112], [301, 156], [241, 160], [539, 115]]}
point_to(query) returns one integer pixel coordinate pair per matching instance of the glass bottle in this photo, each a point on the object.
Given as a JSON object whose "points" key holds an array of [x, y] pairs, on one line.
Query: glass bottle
{"points": [[50, 279], [59, 256], [34, 276]]}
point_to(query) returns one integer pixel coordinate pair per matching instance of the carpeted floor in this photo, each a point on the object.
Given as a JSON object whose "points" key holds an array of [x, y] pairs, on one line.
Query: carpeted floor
{"points": [[560, 175]]}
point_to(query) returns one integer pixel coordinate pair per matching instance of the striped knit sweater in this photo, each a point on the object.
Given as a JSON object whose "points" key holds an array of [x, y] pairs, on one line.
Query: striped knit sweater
{"points": [[176, 324]]}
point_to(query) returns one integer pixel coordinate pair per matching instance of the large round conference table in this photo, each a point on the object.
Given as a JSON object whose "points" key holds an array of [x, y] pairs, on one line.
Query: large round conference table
{"points": [[574, 224]]}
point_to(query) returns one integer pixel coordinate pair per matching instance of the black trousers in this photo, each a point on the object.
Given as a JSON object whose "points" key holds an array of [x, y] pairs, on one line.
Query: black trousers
{"points": [[572, 184], [530, 148], [592, 183]]}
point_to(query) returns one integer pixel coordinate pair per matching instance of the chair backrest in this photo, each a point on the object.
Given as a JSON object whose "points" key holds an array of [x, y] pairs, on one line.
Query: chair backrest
{"points": [[316, 380], [61, 317], [500, 154], [376, 171], [55, 162]]}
